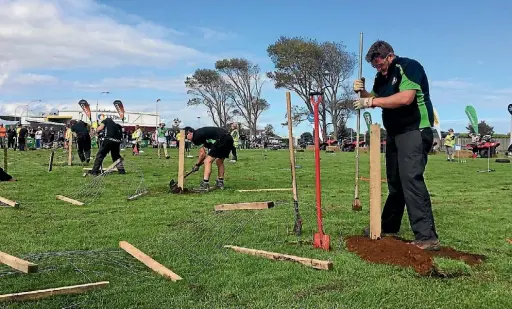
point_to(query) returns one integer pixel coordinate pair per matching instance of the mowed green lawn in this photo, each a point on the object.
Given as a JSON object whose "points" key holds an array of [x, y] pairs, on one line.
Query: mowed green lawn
{"points": [[80, 244]]}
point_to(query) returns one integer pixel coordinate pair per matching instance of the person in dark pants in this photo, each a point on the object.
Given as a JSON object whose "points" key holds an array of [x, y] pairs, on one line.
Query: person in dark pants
{"points": [[83, 139], [22, 138], [4, 176], [111, 143], [401, 89], [11, 138], [220, 143]]}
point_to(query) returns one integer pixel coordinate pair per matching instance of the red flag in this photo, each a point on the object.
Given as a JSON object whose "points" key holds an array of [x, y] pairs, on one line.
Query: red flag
{"points": [[120, 108], [86, 108]]}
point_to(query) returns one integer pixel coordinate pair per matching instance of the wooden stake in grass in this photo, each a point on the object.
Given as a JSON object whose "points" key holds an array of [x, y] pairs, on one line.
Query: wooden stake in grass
{"points": [[69, 200], [181, 160], [375, 182], [5, 155], [148, 261], [17, 263], [317, 264], [8, 202], [244, 206], [74, 289], [70, 150], [297, 227]]}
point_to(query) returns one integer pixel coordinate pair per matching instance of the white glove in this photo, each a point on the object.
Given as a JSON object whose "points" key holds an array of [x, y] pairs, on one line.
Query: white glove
{"points": [[358, 85], [363, 103]]}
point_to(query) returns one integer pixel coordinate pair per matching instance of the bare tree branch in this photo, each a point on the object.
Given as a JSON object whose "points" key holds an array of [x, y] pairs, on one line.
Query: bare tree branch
{"points": [[208, 88]]}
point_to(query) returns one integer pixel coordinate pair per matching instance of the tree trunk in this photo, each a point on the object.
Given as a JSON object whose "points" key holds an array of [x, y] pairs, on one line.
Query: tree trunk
{"points": [[334, 120]]}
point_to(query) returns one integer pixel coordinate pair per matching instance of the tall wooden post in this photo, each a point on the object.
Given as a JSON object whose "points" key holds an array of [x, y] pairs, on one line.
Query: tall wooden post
{"points": [[181, 160], [5, 154], [70, 150], [375, 182], [298, 219]]}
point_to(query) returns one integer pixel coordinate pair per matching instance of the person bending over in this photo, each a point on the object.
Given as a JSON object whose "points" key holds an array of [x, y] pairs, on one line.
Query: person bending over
{"points": [[111, 143], [83, 139], [220, 143]]}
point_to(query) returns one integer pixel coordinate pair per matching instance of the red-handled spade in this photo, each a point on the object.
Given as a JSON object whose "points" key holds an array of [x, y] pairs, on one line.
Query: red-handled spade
{"points": [[320, 240]]}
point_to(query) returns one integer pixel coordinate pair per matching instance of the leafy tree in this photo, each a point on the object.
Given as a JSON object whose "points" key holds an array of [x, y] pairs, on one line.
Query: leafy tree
{"points": [[337, 67], [304, 65], [483, 128], [209, 89], [246, 82], [306, 138], [269, 130], [297, 62]]}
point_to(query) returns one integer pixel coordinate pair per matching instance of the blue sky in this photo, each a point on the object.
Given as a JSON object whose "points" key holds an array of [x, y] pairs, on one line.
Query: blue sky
{"points": [[61, 51]]}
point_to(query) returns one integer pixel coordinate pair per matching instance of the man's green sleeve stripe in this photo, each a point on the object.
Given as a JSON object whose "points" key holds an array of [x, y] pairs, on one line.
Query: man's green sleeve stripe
{"points": [[406, 83]]}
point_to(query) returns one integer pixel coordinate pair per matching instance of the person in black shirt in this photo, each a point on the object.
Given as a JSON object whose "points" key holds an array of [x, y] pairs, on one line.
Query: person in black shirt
{"points": [[220, 143], [401, 89], [83, 139], [22, 138], [11, 138], [112, 133]]}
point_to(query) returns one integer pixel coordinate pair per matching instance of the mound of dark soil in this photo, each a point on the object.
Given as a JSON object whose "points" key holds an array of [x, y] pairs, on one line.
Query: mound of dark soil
{"points": [[394, 251]]}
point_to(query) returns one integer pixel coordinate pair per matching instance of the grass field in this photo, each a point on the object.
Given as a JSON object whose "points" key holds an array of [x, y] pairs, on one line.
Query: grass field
{"points": [[79, 244]]}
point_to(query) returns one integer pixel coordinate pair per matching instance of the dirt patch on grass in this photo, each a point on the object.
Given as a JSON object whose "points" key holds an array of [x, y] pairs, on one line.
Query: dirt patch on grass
{"points": [[394, 251]]}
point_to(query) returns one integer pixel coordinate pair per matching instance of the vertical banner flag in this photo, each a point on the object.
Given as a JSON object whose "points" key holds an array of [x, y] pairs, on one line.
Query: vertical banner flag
{"points": [[120, 108], [368, 119], [437, 124], [473, 119], [510, 109], [86, 108]]}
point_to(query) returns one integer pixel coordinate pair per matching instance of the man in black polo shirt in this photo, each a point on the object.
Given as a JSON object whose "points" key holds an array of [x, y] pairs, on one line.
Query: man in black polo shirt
{"points": [[113, 135], [83, 140], [401, 89], [219, 142]]}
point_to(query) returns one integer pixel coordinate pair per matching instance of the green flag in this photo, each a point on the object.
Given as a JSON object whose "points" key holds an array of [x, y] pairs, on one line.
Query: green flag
{"points": [[368, 119], [473, 119]]}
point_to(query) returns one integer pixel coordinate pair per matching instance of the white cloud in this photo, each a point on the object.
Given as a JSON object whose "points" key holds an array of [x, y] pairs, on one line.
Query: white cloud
{"points": [[176, 84], [30, 79], [216, 35], [67, 34]]}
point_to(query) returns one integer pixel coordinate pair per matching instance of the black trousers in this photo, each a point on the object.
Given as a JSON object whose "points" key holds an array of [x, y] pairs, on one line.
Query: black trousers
{"points": [[233, 152], [107, 146], [4, 176], [84, 147], [21, 143], [406, 158]]}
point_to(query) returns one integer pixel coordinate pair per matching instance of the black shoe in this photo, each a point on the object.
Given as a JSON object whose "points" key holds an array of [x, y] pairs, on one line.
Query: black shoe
{"points": [[203, 187], [122, 172], [219, 184]]}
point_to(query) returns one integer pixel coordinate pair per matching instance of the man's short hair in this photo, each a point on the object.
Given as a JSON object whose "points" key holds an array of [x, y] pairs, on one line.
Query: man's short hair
{"points": [[379, 49], [189, 129]]}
